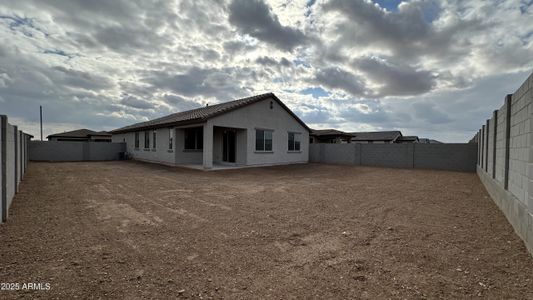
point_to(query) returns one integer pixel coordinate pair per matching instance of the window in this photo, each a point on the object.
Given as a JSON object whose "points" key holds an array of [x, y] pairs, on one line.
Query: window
{"points": [[194, 138], [170, 138], [263, 140], [154, 142], [136, 140], [294, 141], [146, 139]]}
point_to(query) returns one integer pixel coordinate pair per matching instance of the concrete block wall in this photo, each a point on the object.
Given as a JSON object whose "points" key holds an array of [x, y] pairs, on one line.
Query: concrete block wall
{"points": [[510, 182], [490, 140], [74, 151], [456, 157], [387, 155], [520, 142], [13, 163], [501, 148]]}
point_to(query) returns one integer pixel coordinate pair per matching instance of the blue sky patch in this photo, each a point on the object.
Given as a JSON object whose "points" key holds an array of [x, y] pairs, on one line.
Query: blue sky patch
{"points": [[316, 92], [390, 5]]}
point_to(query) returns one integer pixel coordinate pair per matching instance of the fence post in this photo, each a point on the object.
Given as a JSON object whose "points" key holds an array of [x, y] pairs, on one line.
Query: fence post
{"points": [[508, 100], [482, 163], [487, 132], [480, 147], [3, 148], [494, 144], [15, 144]]}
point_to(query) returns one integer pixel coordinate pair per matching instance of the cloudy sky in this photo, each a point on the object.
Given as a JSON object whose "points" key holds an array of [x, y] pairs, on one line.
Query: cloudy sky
{"points": [[430, 68]]}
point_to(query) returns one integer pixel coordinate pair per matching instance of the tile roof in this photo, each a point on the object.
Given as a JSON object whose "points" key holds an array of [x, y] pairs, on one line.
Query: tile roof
{"points": [[80, 133], [199, 115], [376, 136], [328, 132], [408, 138]]}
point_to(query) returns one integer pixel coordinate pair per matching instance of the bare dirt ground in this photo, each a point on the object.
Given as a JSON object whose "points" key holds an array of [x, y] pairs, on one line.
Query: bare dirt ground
{"points": [[132, 230]]}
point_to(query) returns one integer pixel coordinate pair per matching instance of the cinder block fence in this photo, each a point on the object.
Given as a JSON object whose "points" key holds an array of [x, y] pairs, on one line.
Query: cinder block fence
{"points": [[505, 159], [13, 162], [453, 157]]}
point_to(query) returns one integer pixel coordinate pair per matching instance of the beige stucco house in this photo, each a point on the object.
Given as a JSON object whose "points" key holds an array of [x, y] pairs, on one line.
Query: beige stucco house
{"points": [[253, 131]]}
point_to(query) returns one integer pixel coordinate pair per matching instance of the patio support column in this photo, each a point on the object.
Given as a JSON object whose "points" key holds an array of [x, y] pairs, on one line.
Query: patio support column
{"points": [[208, 145]]}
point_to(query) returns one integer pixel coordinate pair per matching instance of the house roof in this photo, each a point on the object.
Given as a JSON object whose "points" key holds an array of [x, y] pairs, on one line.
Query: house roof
{"points": [[202, 114], [80, 133], [328, 132], [376, 136], [408, 138]]}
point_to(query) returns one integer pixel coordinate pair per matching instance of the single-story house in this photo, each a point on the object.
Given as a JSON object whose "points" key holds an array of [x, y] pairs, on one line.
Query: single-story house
{"points": [[329, 136], [253, 131], [81, 135], [407, 139], [377, 137]]}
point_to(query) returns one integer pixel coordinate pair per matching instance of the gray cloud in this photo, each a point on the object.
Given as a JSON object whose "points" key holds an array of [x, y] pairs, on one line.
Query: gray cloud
{"points": [[135, 102], [436, 71], [429, 112], [254, 17], [407, 33], [396, 79], [337, 78], [197, 81]]}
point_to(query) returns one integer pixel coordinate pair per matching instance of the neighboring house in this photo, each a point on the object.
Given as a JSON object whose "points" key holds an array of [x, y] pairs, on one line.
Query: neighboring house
{"points": [[429, 141], [378, 137], [258, 130], [407, 139], [81, 135], [329, 136]]}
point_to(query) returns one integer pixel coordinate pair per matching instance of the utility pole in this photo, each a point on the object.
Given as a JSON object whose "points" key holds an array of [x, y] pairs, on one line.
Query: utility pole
{"points": [[41, 118]]}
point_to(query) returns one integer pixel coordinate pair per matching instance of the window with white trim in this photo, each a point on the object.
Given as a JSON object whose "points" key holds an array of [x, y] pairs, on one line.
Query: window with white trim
{"points": [[194, 138], [263, 140], [170, 138], [146, 139], [154, 142], [137, 140], [294, 141]]}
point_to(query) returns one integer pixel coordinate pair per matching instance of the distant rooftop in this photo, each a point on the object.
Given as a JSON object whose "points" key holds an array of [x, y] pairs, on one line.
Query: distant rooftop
{"points": [[80, 133], [328, 132], [376, 136]]}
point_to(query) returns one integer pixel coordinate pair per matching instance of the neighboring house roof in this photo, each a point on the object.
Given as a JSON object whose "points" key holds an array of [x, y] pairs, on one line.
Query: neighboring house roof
{"points": [[202, 114], [328, 132], [429, 141], [408, 138], [376, 136], [80, 133]]}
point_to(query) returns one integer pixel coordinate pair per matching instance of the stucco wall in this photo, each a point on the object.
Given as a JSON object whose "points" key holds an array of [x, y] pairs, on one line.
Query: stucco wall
{"points": [[259, 115], [161, 153]]}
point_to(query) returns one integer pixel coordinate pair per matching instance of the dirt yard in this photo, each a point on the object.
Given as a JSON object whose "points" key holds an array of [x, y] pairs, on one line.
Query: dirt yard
{"points": [[132, 230]]}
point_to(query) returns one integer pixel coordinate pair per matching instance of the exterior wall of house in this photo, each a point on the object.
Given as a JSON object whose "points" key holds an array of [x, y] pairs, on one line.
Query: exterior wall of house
{"points": [[186, 157], [159, 154], [260, 116]]}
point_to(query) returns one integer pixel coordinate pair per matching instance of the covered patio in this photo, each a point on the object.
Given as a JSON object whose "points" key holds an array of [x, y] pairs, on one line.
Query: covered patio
{"points": [[211, 147]]}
